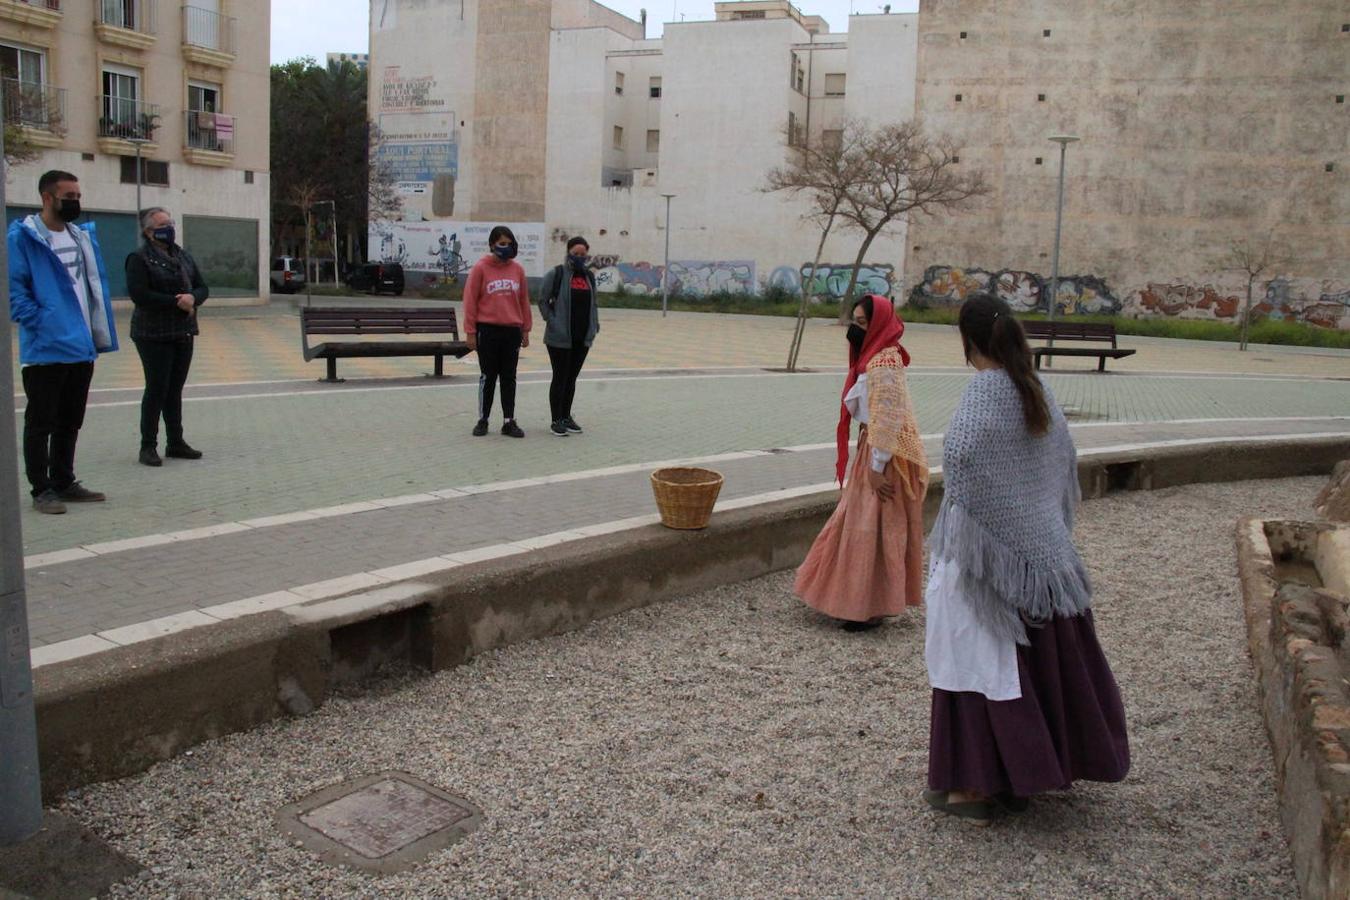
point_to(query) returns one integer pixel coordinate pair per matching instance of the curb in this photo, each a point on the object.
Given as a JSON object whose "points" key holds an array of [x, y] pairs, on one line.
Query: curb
{"points": [[112, 714]]}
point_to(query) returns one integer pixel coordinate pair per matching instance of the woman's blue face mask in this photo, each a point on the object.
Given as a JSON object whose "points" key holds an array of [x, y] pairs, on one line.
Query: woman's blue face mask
{"points": [[505, 252]]}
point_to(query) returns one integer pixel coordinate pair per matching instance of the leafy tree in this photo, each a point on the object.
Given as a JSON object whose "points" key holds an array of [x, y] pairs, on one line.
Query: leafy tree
{"points": [[322, 147]]}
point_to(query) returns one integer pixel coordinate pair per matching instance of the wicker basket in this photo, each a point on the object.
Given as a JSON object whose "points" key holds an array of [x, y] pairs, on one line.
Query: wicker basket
{"points": [[685, 497]]}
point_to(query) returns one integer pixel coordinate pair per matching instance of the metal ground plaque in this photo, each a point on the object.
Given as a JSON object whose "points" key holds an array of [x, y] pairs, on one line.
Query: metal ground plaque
{"points": [[381, 823]]}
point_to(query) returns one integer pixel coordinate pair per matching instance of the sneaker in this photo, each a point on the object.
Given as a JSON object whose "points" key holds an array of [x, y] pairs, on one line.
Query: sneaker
{"points": [[48, 502], [481, 428], [78, 493], [571, 425], [558, 428], [182, 451], [511, 429], [150, 457]]}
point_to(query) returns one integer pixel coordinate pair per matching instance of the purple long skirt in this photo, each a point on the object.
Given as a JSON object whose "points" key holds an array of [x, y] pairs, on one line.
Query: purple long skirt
{"points": [[1068, 724]]}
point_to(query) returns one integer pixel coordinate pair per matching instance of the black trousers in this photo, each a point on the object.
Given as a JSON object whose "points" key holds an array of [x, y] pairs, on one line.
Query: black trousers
{"points": [[567, 363], [57, 394], [498, 357], [166, 365]]}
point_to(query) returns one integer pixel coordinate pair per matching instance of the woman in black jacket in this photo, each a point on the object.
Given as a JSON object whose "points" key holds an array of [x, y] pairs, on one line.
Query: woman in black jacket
{"points": [[167, 287]]}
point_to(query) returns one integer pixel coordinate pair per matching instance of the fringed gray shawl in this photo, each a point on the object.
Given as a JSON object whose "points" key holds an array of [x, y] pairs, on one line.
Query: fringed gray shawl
{"points": [[1007, 510]]}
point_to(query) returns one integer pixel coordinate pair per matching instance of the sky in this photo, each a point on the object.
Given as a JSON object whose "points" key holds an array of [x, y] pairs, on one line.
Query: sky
{"points": [[317, 27]]}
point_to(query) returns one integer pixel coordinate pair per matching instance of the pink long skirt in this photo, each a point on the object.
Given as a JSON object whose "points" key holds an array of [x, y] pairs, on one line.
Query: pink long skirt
{"points": [[868, 560]]}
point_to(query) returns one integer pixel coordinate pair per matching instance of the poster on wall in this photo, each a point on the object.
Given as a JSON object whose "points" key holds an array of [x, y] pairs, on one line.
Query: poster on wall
{"points": [[445, 250], [419, 141]]}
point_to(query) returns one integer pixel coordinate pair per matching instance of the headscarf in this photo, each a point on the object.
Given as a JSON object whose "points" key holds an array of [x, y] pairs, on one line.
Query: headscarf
{"points": [[884, 329]]}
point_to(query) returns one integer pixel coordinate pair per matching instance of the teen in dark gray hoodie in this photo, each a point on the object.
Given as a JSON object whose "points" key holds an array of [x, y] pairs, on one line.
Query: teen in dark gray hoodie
{"points": [[571, 322]]}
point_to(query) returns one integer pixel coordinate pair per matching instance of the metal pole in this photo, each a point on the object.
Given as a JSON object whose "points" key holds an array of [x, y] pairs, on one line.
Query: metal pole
{"points": [[20, 787], [1063, 141], [665, 273], [337, 282], [140, 238], [308, 229]]}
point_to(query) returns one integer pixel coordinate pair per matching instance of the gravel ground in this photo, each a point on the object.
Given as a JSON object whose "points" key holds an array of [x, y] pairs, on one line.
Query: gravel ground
{"points": [[735, 744]]}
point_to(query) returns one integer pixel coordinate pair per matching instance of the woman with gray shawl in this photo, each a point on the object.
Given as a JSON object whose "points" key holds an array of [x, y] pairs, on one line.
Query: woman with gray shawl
{"points": [[1023, 699]]}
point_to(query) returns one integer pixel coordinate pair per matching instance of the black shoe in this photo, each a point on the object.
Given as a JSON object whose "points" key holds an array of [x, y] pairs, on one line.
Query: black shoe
{"points": [[558, 428], [150, 457], [182, 451], [481, 428], [511, 429], [861, 626], [571, 425], [78, 493], [47, 502]]}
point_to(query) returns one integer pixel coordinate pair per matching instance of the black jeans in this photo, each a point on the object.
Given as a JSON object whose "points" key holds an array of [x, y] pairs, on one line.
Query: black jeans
{"points": [[57, 394], [567, 365], [166, 365], [498, 357]]}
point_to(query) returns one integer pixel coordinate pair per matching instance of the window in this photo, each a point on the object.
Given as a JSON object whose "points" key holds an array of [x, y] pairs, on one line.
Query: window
{"points": [[958, 98], [248, 176], [618, 83], [834, 84], [618, 137], [832, 138], [654, 87], [794, 132], [748, 14], [153, 171], [1045, 33], [956, 159], [963, 35], [1340, 98], [1040, 98], [121, 104], [796, 74], [26, 100], [653, 140], [121, 13], [206, 128], [1039, 160]]}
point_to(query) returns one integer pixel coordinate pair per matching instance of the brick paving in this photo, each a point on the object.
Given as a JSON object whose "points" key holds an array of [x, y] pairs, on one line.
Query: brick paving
{"points": [[276, 445]]}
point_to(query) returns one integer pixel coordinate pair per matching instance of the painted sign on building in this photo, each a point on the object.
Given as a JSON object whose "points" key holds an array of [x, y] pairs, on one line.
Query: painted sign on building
{"points": [[445, 249], [418, 138]]}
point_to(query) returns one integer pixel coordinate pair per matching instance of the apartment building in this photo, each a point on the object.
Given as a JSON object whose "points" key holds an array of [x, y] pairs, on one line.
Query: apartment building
{"points": [[91, 85], [561, 117]]}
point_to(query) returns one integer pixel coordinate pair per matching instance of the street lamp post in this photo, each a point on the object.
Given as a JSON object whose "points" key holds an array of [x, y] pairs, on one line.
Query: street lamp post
{"points": [[1064, 140], [665, 272], [20, 788], [139, 141]]}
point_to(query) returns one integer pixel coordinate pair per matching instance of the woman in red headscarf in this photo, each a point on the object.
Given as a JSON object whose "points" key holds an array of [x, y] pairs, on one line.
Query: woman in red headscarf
{"points": [[867, 562]]}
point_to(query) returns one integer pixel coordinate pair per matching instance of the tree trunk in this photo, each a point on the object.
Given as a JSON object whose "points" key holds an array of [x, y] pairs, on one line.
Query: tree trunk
{"points": [[846, 301], [795, 350], [1246, 313]]}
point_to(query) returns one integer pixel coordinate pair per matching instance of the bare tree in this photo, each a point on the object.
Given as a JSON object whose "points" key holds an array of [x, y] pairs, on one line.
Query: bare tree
{"points": [[903, 171], [303, 196], [823, 176], [384, 201], [1253, 258]]}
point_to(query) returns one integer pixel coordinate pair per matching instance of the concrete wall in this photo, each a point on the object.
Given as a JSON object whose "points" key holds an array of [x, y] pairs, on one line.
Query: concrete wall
{"points": [[1201, 123], [75, 57]]}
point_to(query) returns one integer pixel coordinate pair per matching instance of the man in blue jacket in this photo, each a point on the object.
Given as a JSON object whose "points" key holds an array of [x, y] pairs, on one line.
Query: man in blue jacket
{"points": [[58, 296]]}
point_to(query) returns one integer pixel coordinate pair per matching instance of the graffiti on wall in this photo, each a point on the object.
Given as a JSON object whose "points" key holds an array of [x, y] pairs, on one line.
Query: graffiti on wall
{"points": [[1184, 301], [1329, 309], [831, 280], [1023, 291], [692, 277]]}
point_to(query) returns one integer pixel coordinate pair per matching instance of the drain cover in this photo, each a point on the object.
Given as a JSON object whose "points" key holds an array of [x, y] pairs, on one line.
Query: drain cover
{"points": [[380, 823]]}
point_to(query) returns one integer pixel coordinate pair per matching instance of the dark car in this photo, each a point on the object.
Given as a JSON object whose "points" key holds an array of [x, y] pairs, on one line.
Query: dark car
{"points": [[377, 278]]}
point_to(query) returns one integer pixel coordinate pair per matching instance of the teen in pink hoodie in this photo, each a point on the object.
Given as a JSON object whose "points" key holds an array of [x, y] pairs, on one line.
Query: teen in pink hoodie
{"points": [[497, 322]]}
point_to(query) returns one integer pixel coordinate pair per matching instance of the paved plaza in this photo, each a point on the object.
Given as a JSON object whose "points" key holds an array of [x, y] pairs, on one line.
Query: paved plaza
{"points": [[309, 489]]}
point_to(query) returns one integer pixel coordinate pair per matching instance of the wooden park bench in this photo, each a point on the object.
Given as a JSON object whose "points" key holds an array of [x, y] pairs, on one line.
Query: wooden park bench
{"points": [[375, 320], [1060, 330]]}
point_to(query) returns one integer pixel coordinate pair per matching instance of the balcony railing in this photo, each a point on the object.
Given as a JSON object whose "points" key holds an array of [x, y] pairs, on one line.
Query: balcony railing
{"points": [[33, 104], [132, 15], [208, 29], [54, 5], [210, 131], [41, 13], [129, 120]]}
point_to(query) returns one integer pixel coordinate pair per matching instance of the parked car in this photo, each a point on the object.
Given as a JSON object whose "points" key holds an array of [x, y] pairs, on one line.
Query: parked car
{"points": [[288, 274], [376, 278]]}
